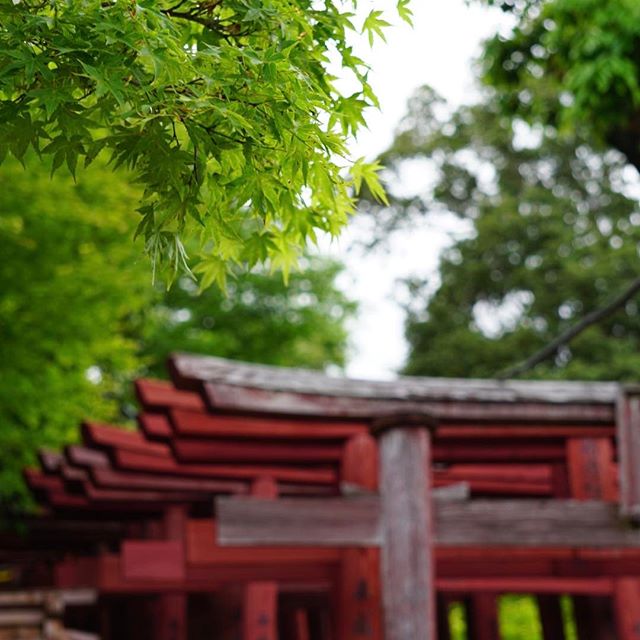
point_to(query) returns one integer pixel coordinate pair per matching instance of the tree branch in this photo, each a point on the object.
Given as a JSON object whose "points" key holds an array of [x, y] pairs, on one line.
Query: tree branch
{"points": [[565, 337]]}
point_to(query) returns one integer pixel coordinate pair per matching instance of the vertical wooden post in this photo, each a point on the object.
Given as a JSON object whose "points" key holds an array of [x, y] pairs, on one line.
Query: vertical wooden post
{"points": [[260, 607], [595, 618], [591, 477], [170, 616], [358, 606], [444, 628], [628, 447], [260, 611], [591, 470], [104, 619], [550, 614], [626, 592], [627, 609], [407, 550], [301, 625], [483, 616], [359, 466]]}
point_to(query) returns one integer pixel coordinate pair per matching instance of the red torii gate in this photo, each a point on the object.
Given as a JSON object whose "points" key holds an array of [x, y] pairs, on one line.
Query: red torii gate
{"points": [[244, 430]]}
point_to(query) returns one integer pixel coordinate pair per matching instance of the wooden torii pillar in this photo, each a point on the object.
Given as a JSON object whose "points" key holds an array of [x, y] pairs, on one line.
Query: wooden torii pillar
{"points": [[399, 521], [408, 570]]}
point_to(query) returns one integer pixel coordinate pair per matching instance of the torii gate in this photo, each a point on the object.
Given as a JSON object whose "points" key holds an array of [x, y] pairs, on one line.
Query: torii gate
{"points": [[405, 520], [394, 519]]}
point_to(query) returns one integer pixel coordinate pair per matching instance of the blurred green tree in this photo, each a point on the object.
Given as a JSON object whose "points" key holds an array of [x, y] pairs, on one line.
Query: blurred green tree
{"points": [[573, 65], [552, 232], [79, 317]]}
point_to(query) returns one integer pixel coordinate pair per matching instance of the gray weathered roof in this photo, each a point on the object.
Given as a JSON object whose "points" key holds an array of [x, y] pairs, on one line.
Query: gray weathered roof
{"points": [[192, 369]]}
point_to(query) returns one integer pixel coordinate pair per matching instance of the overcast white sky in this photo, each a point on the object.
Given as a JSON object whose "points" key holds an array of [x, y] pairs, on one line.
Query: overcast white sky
{"points": [[438, 51]]}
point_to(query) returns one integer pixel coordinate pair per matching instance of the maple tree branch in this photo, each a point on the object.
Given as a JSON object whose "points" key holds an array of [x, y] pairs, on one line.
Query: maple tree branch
{"points": [[569, 334]]}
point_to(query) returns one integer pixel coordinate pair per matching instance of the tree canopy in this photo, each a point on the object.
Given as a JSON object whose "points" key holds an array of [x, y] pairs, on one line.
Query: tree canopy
{"points": [[79, 318], [573, 65], [226, 111], [553, 234]]}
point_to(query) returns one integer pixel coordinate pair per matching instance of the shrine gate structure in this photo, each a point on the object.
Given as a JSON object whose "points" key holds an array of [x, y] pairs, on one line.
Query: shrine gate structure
{"points": [[262, 503]]}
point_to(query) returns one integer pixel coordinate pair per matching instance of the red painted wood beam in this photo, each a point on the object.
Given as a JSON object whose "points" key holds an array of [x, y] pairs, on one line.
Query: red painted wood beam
{"points": [[203, 579], [520, 431], [499, 451], [133, 461], [158, 395], [155, 426], [265, 451], [207, 425], [114, 479], [588, 585], [109, 437], [202, 549]]}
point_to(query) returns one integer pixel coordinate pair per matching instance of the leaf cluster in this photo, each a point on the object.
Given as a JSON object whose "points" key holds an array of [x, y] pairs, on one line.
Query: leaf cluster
{"points": [[225, 111]]}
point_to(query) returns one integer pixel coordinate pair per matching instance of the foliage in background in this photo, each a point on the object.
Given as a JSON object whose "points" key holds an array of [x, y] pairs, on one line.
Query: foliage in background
{"points": [[225, 110], [79, 317], [518, 619], [552, 237], [260, 320], [573, 65]]}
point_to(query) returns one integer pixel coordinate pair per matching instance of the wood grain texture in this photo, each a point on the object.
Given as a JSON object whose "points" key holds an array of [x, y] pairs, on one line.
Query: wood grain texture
{"points": [[355, 521], [192, 370], [550, 523], [407, 563], [227, 398], [352, 521], [628, 441]]}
